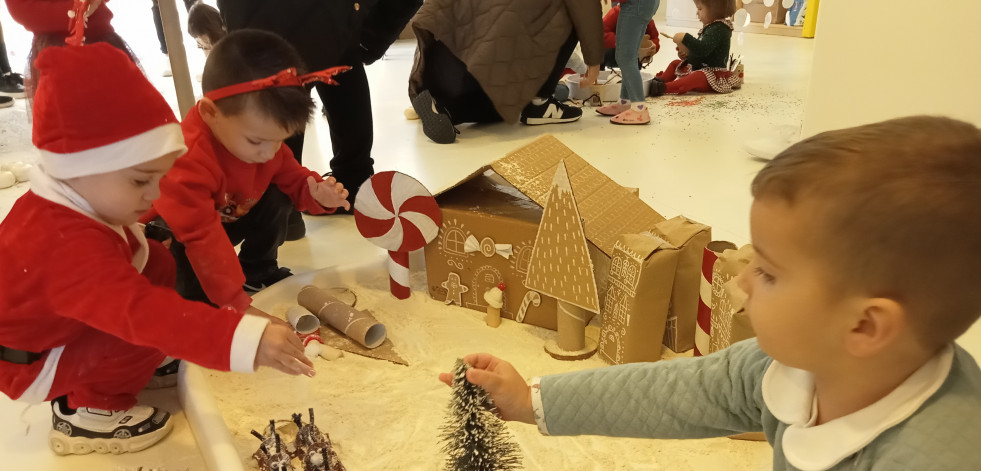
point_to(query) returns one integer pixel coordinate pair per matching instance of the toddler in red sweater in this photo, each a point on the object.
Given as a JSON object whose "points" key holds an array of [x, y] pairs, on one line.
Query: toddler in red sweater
{"points": [[238, 183], [88, 313]]}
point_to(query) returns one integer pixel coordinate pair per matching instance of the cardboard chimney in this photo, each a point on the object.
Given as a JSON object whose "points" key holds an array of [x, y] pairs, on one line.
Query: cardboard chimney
{"points": [[491, 219]]}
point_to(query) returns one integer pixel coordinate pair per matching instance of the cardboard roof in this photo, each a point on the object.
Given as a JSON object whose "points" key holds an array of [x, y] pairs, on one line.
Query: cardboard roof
{"points": [[560, 266], [607, 208]]}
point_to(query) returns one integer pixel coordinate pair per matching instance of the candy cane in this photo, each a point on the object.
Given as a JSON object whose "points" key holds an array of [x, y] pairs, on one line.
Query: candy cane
{"points": [[531, 297], [704, 316], [397, 213]]}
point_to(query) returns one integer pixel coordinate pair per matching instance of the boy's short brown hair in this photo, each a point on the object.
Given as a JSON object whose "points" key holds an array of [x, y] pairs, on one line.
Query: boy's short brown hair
{"points": [[249, 54], [719, 9], [896, 212]]}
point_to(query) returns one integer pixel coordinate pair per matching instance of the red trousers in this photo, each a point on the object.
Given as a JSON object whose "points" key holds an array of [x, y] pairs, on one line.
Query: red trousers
{"points": [[693, 82], [103, 371]]}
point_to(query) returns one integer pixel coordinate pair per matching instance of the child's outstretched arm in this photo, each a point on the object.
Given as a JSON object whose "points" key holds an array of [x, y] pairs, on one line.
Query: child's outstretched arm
{"points": [[506, 387]]}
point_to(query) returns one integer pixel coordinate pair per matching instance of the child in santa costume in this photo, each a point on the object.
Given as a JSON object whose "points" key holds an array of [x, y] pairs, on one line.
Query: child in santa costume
{"points": [[85, 318], [238, 183]]}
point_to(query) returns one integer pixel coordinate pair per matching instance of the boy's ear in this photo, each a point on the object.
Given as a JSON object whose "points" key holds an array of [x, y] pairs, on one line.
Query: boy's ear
{"points": [[208, 109], [877, 326]]}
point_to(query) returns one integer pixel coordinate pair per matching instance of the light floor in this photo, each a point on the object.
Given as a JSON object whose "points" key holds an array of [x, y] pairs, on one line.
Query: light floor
{"points": [[688, 161]]}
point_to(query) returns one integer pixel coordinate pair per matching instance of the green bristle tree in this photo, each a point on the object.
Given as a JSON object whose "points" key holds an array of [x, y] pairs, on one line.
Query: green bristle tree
{"points": [[475, 438]]}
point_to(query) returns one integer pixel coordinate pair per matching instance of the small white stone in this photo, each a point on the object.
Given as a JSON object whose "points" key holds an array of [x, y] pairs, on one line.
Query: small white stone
{"points": [[21, 171], [7, 179], [410, 114], [330, 353]]}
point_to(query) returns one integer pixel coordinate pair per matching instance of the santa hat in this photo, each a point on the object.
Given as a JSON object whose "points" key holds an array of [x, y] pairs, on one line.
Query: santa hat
{"points": [[95, 112]]}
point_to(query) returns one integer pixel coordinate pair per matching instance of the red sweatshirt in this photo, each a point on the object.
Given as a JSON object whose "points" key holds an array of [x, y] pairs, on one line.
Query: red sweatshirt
{"points": [[63, 274], [207, 186], [610, 30], [51, 17]]}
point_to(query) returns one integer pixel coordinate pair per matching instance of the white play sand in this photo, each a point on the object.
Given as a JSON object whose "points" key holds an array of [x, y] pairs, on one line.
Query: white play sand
{"points": [[383, 416]]}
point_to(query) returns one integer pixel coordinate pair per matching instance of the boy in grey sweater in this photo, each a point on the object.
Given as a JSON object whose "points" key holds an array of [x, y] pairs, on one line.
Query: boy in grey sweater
{"points": [[868, 243]]}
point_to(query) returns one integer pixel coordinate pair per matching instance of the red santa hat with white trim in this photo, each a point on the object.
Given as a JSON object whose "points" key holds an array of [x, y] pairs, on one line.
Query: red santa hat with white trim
{"points": [[95, 112]]}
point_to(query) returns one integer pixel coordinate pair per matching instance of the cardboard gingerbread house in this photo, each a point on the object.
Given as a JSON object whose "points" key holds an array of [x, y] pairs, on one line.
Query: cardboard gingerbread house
{"points": [[491, 219]]}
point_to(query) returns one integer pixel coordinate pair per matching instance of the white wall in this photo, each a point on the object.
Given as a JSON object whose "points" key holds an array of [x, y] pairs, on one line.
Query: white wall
{"points": [[880, 59]]}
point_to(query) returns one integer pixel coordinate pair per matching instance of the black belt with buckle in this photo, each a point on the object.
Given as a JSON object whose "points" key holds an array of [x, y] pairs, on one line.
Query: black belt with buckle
{"points": [[19, 357]]}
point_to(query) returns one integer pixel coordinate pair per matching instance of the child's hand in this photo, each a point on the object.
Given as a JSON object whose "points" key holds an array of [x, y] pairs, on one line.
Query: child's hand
{"points": [[329, 193], [589, 78], [678, 38], [510, 392], [648, 53], [682, 52], [280, 348]]}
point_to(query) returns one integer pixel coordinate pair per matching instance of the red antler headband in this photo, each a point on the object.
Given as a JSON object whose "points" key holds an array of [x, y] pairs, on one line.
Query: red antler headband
{"points": [[285, 78]]}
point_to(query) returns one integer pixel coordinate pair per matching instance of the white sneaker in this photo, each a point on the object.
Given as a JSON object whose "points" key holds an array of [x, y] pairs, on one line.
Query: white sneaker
{"points": [[165, 66], [87, 430]]}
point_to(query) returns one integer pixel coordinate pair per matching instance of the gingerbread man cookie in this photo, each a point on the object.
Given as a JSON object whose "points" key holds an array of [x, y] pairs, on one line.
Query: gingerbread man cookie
{"points": [[454, 289]]}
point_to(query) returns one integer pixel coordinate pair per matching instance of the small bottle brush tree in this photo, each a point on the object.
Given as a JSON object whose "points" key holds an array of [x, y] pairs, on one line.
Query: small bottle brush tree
{"points": [[475, 438]]}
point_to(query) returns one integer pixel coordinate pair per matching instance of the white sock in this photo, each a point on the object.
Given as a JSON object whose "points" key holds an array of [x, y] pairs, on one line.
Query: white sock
{"points": [[638, 105], [539, 101]]}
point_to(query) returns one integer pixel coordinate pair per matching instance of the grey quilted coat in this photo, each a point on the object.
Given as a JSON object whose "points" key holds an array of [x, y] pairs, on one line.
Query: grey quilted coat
{"points": [[721, 394], [510, 46]]}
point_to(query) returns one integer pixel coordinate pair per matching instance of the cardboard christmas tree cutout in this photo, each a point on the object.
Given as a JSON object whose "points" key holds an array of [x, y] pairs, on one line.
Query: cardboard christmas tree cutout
{"points": [[560, 267]]}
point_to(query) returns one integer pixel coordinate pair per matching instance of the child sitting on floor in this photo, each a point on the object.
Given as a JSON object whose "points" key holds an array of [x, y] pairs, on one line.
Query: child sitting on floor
{"points": [[87, 310], [863, 279], [703, 64], [237, 183]]}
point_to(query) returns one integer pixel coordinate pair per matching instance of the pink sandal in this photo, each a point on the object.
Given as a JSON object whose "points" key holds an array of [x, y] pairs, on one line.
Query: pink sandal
{"points": [[613, 109], [632, 117]]}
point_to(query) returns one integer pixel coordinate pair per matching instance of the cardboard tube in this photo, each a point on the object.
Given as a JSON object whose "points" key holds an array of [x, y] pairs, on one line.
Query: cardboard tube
{"points": [[493, 316], [360, 326], [302, 320], [571, 325]]}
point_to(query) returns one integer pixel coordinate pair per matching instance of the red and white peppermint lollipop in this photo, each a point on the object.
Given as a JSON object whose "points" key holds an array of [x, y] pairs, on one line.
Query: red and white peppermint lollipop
{"points": [[397, 213]]}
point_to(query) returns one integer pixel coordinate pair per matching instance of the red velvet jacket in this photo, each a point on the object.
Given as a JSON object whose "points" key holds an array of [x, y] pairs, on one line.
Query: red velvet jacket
{"points": [[208, 185], [63, 274], [610, 29], [51, 17]]}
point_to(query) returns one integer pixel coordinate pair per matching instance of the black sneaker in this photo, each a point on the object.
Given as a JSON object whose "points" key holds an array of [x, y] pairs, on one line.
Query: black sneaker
{"points": [[436, 123], [84, 430], [295, 228], [6, 101], [165, 376], [550, 112], [658, 88], [12, 85], [255, 283]]}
